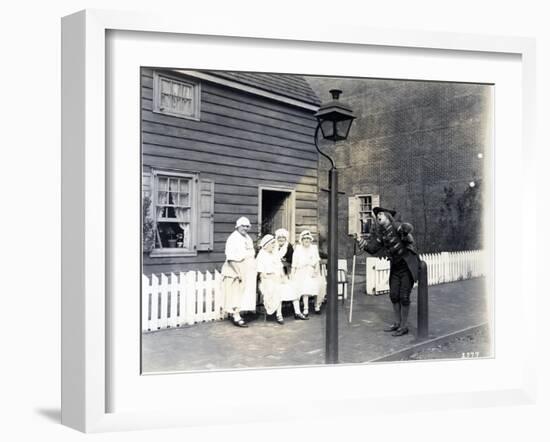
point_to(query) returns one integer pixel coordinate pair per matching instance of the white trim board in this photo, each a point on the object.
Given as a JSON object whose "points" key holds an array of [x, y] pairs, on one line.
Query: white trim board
{"points": [[249, 89]]}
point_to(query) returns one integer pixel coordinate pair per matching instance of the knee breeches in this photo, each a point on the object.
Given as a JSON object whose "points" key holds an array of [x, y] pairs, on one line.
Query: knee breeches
{"points": [[401, 284]]}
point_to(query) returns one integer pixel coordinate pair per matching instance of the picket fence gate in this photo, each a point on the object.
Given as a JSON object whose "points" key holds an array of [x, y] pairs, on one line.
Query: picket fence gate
{"points": [[170, 301], [442, 267]]}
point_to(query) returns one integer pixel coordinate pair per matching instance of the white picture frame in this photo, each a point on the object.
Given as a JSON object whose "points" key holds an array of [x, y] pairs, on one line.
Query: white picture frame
{"points": [[87, 168]]}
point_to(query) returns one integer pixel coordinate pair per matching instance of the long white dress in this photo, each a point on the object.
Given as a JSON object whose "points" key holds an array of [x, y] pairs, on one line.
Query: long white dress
{"points": [[307, 279], [274, 284], [239, 278], [269, 268]]}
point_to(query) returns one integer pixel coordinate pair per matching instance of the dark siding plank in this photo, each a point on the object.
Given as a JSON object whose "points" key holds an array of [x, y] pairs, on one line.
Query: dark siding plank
{"points": [[306, 120], [235, 209], [231, 127], [238, 132], [302, 137], [236, 199], [178, 161], [281, 123], [225, 161], [239, 155], [219, 138]]}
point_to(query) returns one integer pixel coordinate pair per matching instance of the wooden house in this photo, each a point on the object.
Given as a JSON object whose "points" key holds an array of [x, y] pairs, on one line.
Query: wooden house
{"points": [[217, 146]]}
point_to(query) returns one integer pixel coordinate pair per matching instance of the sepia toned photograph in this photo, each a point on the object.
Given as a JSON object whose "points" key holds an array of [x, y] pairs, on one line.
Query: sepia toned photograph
{"points": [[295, 220]]}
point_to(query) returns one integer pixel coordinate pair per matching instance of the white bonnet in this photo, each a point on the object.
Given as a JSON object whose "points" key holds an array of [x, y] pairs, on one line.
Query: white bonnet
{"points": [[281, 232], [242, 221], [266, 239]]}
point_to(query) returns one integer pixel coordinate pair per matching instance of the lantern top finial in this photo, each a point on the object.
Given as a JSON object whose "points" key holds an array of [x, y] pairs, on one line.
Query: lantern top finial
{"points": [[335, 93]]}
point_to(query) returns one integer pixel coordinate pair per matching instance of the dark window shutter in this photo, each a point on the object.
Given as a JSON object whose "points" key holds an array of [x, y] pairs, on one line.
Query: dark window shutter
{"points": [[205, 237]]}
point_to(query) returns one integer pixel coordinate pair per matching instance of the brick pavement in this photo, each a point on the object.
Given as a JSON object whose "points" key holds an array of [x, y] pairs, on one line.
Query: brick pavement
{"points": [[221, 345]]}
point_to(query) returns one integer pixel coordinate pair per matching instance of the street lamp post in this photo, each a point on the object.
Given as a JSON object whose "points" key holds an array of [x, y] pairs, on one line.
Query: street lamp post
{"points": [[333, 121]]}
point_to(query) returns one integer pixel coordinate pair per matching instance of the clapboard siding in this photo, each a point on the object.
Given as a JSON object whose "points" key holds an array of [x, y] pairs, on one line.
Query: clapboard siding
{"points": [[242, 142], [232, 128], [284, 122], [260, 104], [221, 98], [240, 145], [222, 155], [173, 158]]}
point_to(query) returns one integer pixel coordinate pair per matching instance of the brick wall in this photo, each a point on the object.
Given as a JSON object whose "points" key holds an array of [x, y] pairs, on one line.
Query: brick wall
{"points": [[409, 141]]}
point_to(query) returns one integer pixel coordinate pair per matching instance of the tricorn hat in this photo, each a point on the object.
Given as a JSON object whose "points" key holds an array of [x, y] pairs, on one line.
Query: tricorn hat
{"points": [[377, 210]]}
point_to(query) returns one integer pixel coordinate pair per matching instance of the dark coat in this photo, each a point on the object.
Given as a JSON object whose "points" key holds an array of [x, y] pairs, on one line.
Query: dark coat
{"points": [[375, 244], [287, 259]]}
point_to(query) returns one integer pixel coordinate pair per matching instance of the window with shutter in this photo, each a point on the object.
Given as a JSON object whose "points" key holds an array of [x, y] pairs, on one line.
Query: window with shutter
{"points": [[363, 217], [182, 209]]}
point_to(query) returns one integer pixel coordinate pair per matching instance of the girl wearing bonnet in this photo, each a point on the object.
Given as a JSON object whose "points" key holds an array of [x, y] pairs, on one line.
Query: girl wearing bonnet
{"points": [[239, 273]]}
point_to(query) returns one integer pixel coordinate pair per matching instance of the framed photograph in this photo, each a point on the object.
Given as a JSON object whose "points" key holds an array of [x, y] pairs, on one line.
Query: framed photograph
{"points": [[246, 212]]}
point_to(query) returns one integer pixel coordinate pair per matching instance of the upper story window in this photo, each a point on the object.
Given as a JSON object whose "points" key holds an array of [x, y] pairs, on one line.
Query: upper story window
{"points": [[176, 96]]}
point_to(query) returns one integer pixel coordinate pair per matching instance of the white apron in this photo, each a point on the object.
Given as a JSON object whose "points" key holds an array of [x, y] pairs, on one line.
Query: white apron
{"points": [[239, 278]]}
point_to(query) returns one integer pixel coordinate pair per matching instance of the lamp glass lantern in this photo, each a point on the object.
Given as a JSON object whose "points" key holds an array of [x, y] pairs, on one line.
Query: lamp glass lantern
{"points": [[335, 118]]}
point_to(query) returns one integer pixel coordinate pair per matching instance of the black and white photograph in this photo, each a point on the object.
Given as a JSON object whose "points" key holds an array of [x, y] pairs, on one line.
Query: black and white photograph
{"points": [[279, 221], [295, 220]]}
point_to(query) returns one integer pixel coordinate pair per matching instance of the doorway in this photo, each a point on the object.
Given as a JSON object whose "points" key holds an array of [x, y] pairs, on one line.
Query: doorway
{"points": [[276, 210]]}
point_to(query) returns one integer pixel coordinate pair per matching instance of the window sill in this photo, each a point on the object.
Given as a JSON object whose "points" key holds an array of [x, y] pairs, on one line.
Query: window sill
{"points": [[168, 252], [175, 114]]}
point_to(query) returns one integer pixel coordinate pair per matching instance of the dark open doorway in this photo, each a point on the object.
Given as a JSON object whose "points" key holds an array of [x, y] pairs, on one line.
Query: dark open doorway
{"points": [[276, 211]]}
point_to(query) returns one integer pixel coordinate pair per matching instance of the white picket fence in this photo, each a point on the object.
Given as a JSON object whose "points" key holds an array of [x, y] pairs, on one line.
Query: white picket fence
{"points": [[185, 298], [178, 299], [442, 267]]}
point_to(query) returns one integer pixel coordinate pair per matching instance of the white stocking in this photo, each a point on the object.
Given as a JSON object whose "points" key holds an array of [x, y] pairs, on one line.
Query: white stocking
{"points": [[305, 298]]}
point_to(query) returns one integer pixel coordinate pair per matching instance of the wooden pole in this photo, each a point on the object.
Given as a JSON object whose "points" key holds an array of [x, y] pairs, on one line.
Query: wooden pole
{"points": [[352, 284], [422, 303]]}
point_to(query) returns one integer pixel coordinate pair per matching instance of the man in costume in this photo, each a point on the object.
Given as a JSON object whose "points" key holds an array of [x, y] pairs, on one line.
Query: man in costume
{"points": [[395, 241]]}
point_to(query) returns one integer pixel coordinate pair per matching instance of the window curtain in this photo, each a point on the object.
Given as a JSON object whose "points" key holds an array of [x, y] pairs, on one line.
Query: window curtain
{"points": [[161, 200], [180, 215]]}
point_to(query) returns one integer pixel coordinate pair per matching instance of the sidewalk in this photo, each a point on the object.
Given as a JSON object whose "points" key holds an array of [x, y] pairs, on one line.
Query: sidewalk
{"points": [[221, 345]]}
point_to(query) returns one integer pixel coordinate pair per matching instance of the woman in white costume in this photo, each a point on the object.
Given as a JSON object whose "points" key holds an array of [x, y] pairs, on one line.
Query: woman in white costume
{"points": [[239, 273], [306, 272], [274, 284], [270, 270]]}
